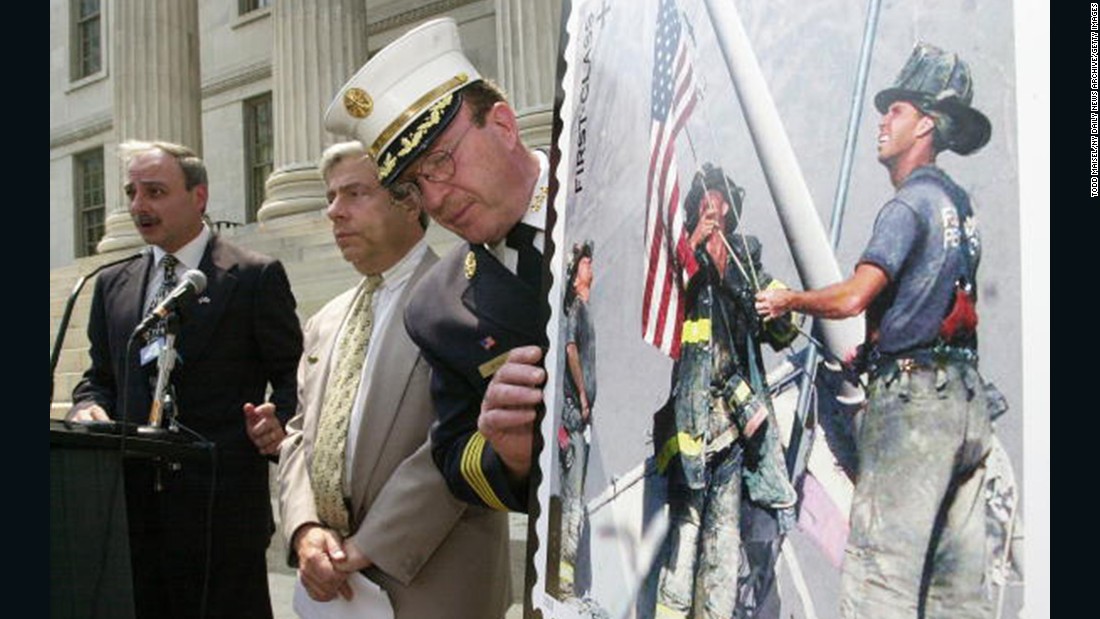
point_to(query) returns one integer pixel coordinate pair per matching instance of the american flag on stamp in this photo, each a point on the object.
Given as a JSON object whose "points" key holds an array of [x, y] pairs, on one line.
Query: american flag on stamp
{"points": [[673, 99]]}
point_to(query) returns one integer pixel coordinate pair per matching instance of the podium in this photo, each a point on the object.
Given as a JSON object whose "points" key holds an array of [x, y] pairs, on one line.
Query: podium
{"points": [[90, 574]]}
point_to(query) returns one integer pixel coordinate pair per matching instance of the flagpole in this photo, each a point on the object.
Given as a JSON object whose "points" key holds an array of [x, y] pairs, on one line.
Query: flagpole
{"points": [[796, 457], [813, 256], [854, 117]]}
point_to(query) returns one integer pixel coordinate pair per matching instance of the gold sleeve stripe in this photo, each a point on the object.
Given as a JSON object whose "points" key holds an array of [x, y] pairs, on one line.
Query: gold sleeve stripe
{"points": [[696, 331], [664, 612], [565, 572], [742, 393], [680, 443], [475, 476]]}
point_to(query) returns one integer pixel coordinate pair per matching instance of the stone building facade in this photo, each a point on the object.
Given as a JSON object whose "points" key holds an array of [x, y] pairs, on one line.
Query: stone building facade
{"points": [[245, 83]]}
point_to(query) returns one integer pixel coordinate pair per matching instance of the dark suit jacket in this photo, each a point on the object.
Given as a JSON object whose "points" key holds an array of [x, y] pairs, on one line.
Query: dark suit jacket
{"points": [[465, 314], [240, 335], [434, 555]]}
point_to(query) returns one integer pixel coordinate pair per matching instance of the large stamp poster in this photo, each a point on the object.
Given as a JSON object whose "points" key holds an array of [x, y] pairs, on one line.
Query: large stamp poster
{"points": [[772, 104]]}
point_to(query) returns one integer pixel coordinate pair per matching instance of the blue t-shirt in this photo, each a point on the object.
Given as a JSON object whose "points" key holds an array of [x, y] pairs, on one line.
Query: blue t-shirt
{"points": [[919, 239]]}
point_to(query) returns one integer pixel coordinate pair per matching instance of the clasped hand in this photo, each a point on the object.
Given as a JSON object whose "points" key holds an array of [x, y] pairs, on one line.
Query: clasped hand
{"points": [[325, 561]]}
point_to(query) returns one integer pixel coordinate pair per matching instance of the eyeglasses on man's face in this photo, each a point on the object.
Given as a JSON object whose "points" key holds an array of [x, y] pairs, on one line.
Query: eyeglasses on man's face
{"points": [[437, 166]]}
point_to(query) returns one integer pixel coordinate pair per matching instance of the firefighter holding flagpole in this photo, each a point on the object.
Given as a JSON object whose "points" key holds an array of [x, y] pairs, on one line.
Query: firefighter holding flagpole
{"points": [[918, 545]]}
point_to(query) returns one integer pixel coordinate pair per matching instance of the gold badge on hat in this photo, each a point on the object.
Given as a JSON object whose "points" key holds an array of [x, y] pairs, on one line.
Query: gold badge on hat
{"points": [[470, 266], [358, 103]]}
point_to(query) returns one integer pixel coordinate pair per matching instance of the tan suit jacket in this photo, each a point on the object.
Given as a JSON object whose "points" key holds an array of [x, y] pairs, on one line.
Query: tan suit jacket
{"points": [[434, 555]]}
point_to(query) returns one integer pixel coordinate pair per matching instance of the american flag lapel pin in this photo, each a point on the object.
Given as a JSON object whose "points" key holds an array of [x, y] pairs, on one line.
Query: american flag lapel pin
{"points": [[487, 342]]}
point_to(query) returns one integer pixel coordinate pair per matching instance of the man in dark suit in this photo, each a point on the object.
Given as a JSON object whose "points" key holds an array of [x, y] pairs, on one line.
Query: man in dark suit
{"points": [[448, 139], [198, 529], [358, 488]]}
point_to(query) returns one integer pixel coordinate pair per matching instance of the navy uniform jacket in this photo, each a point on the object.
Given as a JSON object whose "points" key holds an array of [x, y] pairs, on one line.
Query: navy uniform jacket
{"points": [[238, 337], [465, 315]]}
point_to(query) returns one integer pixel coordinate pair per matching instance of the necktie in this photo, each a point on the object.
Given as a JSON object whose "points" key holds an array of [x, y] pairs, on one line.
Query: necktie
{"points": [[529, 265], [327, 472], [167, 284]]}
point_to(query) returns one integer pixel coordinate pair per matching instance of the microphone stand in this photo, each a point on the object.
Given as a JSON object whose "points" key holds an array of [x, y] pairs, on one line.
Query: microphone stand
{"points": [[162, 397], [55, 354]]}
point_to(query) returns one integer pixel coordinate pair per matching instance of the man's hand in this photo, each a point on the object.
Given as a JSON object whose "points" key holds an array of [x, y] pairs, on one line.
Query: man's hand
{"points": [[773, 303], [507, 417], [708, 223], [263, 427], [840, 300], [319, 550], [354, 559], [87, 412]]}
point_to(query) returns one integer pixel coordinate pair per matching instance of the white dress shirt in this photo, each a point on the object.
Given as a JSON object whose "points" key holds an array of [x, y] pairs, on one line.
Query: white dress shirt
{"points": [[534, 216], [394, 281], [189, 257]]}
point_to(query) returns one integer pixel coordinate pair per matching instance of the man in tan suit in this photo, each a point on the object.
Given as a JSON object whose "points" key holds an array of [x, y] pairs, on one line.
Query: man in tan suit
{"points": [[358, 488]]}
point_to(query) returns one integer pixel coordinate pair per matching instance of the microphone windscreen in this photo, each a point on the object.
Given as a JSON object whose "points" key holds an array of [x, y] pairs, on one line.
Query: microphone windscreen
{"points": [[197, 279]]}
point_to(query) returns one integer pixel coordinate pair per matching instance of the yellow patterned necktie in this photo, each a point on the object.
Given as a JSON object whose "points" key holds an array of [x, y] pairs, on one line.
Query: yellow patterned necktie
{"points": [[327, 473]]}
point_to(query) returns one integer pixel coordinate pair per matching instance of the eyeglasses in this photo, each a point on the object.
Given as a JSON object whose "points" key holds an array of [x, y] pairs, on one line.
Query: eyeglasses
{"points": [[437, 166]]}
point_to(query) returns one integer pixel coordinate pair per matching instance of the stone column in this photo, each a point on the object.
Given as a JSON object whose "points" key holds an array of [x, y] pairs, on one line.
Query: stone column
{"points": [[319, 44], [527, 38], [157, 93]]}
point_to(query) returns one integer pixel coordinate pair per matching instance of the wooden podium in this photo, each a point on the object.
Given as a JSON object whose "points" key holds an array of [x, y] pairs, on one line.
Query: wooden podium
{"points": [[89, 545]]}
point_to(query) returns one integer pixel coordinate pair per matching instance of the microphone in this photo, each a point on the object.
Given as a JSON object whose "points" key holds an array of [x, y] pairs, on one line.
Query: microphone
{"points": [[194, 282]]}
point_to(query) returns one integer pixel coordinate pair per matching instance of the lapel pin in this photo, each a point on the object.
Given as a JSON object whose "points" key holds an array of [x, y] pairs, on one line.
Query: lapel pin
{"points": [[488, 342], [204, 299]]}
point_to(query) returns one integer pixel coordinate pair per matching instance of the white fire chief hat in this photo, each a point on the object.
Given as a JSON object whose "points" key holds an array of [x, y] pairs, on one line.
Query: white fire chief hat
{"points": [[404, 96]]}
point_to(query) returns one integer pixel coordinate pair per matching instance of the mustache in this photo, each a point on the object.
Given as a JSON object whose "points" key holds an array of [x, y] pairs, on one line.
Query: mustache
{"points": [[144, 218]]}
